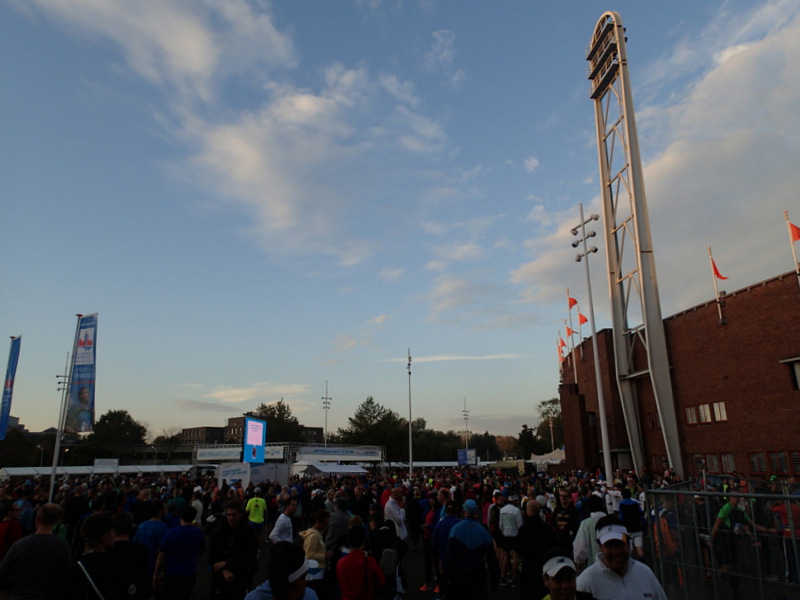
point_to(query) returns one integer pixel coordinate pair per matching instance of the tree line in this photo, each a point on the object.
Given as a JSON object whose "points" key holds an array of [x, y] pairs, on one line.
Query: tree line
{"points": [[116, 433]]}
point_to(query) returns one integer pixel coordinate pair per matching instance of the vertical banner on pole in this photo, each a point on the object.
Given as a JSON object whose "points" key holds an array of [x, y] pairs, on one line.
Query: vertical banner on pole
{"points": [[80, 414], [8, 386]]}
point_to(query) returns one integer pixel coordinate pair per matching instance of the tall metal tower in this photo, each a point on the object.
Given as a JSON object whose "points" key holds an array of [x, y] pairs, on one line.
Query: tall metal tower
{"points": [[635, 306]]}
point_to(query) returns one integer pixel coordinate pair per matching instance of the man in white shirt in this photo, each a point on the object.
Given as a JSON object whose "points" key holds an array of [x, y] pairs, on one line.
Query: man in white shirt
{"points": [[510, 522], [283, 532], [614, 575], [395, 512]]}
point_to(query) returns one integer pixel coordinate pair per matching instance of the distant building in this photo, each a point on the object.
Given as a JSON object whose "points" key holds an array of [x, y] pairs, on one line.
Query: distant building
{"points": [[234, 430], [314, 435], [736, 387], [202, 435]]}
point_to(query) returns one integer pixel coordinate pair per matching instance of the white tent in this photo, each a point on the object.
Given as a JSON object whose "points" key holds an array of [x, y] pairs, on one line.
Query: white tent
{"points": [[36, 472], [314, 468], [556, 457]]}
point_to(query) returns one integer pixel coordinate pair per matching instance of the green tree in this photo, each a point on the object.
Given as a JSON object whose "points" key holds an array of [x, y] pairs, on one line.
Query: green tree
{"points": [[282, 426], [485, 446], [18, 450], [526, 443], [374, 424], [118, 427], [550, 409]]}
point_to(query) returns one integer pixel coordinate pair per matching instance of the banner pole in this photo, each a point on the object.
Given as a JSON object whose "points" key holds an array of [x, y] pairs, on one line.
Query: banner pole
{"points": [[63, 412]]}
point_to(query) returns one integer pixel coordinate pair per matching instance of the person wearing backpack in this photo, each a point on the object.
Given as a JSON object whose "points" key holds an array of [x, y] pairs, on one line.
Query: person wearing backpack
{"points": [[630, 513]]}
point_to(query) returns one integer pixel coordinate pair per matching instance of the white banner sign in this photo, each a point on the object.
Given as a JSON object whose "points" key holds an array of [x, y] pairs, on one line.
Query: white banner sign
{"points": [[312, 453], [231, 472], [215, 454], [274, 452]]}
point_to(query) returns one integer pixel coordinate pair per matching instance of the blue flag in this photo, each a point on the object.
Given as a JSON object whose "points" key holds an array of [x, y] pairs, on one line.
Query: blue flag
{"points": [[8, 387]]}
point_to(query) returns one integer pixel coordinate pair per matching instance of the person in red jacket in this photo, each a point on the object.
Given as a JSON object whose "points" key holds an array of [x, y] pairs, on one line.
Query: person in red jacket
{"points": [[359, 575]]}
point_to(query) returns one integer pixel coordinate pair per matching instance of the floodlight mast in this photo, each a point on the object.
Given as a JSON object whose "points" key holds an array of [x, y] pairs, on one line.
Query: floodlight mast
{"points": [[637, 326]]}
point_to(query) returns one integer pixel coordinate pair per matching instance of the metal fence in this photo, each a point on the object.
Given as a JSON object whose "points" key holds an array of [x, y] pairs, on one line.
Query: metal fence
{"points": [[695, 556]]}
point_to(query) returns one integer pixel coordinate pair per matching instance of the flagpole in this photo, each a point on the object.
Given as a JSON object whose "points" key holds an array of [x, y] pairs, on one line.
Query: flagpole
{"points": [[791, 242], [716, 289], [62, 416], [571, 340]]}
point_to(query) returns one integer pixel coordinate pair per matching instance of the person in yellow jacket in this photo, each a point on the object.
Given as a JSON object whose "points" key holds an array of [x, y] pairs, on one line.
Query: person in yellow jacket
{"points": [[256, 511], [314, 547]]}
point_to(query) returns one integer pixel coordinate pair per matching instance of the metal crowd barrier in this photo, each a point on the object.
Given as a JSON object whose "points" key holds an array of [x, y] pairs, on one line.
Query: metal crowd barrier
{"points": [[762, 564]]}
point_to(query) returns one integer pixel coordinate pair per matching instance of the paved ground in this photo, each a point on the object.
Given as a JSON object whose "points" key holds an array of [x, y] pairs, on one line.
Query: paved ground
{"points": [[413, 566]]}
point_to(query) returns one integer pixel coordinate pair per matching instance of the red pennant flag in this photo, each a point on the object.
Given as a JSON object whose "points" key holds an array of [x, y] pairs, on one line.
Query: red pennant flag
{"points": [[572, 301], [570, 332], [717, 274], [582, 319], [794, 231], [561, 342]]}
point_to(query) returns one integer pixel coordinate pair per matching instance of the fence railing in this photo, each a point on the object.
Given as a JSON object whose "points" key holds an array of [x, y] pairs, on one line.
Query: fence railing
{"points": [[750, 553]]}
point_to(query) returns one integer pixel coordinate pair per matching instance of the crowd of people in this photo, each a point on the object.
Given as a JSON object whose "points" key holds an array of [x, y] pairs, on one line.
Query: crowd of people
{"points": [[559, 537]]}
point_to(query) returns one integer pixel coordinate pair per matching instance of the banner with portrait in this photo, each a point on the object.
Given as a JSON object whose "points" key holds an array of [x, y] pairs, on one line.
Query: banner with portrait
{"points": [[80, 414]]}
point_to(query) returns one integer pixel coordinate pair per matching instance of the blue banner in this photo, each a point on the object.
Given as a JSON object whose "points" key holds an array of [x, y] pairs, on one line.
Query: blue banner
{"points": [[8, 387], [255, 436], [80, 414]]}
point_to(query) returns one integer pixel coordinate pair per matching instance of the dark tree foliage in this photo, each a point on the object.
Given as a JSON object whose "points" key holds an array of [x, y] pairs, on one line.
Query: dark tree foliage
{"points": [[281, 425], [117, 427], [374, 424], [485, 445]]}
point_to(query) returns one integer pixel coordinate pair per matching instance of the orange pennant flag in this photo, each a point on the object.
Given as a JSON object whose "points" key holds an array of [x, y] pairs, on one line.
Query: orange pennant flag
{"points": [[561, 342], [570, 332], [582, 319], [794, 231], [572, 301], [717, 274]]}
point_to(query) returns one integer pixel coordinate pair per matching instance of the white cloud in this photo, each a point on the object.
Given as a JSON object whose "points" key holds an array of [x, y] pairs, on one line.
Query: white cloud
{"points": [[724, 172], [391, 274], [441, 57], [531, 163]]}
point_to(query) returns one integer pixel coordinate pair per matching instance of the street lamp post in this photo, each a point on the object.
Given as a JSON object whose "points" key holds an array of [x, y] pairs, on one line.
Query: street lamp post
{"points": [[326, 405], [601, 405], [466, 426], [410, 445]]}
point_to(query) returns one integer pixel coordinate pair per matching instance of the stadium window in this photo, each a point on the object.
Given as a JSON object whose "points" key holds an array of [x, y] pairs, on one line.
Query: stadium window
{"points": [[704, 411], [712, 463], [728, 465], [758, 464], [795, 460], [777, 463], [794, 369], [720, 414], [691, 415]]}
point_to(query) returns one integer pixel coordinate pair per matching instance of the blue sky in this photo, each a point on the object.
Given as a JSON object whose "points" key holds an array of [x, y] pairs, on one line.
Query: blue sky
{"points": [[259, 197]]}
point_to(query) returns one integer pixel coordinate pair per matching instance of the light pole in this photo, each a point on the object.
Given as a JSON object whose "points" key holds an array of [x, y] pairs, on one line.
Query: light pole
{"points": [[466, 427], [41, 455], [601, 405], [410, 445], [326, 405], [552, 439]]}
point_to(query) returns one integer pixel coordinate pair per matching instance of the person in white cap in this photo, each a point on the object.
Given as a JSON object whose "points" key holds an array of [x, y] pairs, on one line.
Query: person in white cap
{"points": [[614, 575], [287, 570], [558, 575]]}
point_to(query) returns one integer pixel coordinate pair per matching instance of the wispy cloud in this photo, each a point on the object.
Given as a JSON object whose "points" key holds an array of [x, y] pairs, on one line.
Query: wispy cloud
{"points": [[456, 358], [441, 57]]}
